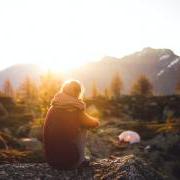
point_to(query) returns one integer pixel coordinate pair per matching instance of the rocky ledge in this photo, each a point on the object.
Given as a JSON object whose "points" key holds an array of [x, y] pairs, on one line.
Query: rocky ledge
{"points": [[126, 167]]}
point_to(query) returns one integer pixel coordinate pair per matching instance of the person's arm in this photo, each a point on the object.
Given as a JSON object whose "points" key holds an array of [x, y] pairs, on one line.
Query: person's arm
{"points": [[88, 121]]}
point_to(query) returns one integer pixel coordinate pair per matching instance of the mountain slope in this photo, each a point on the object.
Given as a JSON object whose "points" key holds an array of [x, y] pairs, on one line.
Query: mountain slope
{"points": [[17, 73], [161, 66]]}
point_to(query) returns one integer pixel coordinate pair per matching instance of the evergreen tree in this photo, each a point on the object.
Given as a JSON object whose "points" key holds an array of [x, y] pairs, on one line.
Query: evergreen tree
{"points": [[27, 93], [142, 87], [8, 88], [177, 90], [106, 93], [116, 85], [50, 84], [1, 94], [94, 90]]}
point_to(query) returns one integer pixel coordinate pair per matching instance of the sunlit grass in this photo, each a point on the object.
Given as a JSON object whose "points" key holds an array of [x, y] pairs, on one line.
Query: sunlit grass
{"points": [[14, 155]]}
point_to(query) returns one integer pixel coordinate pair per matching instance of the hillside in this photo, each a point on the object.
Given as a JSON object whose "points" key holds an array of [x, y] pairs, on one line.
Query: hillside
{"points": [[21, 148], [18, 72], [161, 66]]}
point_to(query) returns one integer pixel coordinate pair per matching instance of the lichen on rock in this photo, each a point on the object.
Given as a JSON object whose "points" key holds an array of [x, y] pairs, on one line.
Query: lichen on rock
{"points": [[126, 167]]}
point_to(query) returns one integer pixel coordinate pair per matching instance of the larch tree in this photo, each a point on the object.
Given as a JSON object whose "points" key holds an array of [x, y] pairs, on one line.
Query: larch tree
{"points": [[142, 87], [7, 88], [177, 90], [106, 93], [27, 93], [116, 85], [1, 93], [49, 85], [94, 92]]}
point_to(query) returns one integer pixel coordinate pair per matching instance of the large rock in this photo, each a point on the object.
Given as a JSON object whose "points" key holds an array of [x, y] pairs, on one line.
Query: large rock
{"points": [[31, 144], [3, 144], [8, 141], [36, 132], [127, 167]]}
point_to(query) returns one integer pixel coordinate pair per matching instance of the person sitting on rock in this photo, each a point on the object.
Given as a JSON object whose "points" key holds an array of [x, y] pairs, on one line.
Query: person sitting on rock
{"points": [[66, 126]]}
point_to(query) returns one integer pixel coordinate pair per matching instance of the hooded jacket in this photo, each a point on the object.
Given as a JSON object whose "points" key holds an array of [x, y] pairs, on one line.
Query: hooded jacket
{"points": [[65, 131]]}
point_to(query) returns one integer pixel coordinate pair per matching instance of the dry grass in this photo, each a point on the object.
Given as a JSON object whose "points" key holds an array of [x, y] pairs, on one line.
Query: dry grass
{"points": [[14, 155]]}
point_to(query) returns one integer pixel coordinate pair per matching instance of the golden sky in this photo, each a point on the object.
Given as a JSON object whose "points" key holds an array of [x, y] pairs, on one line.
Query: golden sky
{"points": [[64, 34]]}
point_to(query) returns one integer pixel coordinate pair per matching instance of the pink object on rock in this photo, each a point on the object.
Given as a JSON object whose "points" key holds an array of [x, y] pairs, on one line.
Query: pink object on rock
{"points": [[130, 137]]}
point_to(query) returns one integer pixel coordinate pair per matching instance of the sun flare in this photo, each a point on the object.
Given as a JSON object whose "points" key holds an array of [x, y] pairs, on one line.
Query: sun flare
{"points": [[70, 62], [61, 66], [63, 35]]}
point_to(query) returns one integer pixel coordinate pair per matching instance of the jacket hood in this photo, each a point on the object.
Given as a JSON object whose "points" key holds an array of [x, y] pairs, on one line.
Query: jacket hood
{"points": [[65, 101]]}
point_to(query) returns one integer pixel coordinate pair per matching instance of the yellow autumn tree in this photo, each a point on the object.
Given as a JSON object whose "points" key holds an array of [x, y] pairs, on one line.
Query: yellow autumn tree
{"points": [[116, 85], [7, 88], [106, 93], [177, 90], [49, 85], [142, 87], [94, 92], [27, 93]]}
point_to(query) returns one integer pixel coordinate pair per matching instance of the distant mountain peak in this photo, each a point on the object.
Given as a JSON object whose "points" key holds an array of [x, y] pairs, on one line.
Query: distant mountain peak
{"points": [[18, 72], [161, 66], [108, 59], [147, 49]]}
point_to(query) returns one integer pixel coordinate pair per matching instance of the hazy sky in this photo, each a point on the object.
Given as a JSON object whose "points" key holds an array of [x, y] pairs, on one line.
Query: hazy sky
{"points": [[66, 33]]}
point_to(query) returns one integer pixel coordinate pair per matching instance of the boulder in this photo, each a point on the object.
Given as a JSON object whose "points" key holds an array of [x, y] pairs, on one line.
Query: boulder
{"points": [[3, 144], [36, 132], [8, 140], [123, 168], [31, 144], [23, 131]]}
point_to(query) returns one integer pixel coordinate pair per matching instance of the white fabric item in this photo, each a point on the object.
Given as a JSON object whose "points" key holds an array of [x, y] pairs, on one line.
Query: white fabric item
{"points": [[129, 136]]}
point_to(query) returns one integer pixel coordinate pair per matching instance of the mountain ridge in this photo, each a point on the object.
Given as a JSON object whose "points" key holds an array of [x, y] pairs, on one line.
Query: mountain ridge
{"points": [[161, 66], [163, 74]]}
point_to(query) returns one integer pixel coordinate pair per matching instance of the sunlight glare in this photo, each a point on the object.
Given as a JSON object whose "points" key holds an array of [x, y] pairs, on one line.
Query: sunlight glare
{"points": [[61, 66], [62, 35]]}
